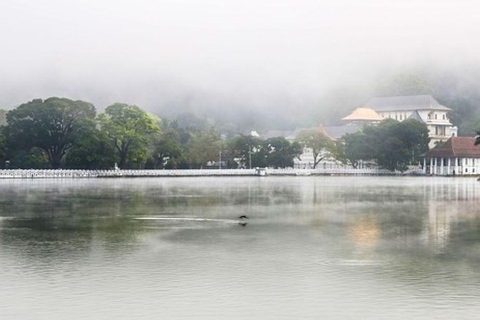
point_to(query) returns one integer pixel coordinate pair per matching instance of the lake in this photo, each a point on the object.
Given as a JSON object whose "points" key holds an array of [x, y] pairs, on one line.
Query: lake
{"points": [[174, 248]]}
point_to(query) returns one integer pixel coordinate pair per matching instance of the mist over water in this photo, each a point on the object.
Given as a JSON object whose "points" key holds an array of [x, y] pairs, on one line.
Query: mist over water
{"points": [[330, 247], [230, 58]]}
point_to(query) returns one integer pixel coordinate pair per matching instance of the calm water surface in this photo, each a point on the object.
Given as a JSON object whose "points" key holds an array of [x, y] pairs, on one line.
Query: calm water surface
{"points": [[314, 247]]}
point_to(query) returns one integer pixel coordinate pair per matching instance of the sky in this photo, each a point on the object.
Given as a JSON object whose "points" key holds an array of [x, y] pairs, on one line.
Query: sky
{"points": [[168, 55]]}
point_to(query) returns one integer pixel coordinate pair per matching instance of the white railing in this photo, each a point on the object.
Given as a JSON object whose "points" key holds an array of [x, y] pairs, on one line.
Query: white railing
{"points": [[60, 173]]}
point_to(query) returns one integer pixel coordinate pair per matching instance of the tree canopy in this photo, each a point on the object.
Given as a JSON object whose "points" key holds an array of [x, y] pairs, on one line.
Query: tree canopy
{"points": [[321, 146], [392, 144], [50, 125], [128, 127]]}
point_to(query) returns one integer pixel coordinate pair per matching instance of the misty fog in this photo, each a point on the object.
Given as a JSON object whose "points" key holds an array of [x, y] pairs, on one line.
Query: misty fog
{"points": [[281, 63]]}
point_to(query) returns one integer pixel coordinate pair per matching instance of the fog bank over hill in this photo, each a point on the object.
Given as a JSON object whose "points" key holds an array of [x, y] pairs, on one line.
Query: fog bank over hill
{"points": [[245, 64]]}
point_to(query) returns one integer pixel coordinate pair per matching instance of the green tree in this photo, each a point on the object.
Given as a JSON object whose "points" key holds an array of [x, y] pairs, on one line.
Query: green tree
{"points": [[322, 147], [248, 149], [167, 146], [203, 147], [92, 149], [49, 125], [280, 153], [358, 146], [129, 129], [3, 117], [3, 148], [35, 158], [392, 144]]}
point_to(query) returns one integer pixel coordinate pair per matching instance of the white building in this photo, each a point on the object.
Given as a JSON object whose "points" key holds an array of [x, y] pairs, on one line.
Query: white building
{"points": [[457, 156], [423, 108]]}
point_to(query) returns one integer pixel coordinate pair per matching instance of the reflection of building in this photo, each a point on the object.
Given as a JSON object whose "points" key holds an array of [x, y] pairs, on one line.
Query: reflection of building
{"points": [[423, 108], [458, 156], [365, 232]]}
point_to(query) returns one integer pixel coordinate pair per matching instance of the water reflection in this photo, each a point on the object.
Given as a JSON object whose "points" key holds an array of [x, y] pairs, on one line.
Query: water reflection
{"points": [[378, 244]]}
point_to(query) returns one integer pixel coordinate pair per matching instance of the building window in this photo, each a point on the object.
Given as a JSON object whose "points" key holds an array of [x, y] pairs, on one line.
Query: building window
{"points": [[444, 117], [459, 162], [466, 170], [435, 116]]}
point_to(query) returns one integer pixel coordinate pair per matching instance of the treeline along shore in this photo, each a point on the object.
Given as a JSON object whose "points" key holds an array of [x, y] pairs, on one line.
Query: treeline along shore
{"points": [[59, 133]]}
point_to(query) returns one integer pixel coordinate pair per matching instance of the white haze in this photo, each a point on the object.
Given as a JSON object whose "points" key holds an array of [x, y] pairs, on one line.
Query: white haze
{"points": [[172, 55]]}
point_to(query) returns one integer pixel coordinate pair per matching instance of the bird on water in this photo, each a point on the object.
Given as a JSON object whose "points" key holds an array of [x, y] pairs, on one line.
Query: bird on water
{"points": [[243, 217]]}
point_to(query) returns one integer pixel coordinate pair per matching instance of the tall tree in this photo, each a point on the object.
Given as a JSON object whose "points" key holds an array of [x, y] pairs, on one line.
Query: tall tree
{"points": [[358, 146], [167, 146], [3, 148], [280, 153], [50, 125], [249, 150], [321, 146], [392, 144], [129, 129], [204, 146], [92, 149]]}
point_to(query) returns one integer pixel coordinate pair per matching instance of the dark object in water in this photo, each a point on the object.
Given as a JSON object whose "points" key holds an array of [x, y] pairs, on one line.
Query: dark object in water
{"points": [[243, 217]]}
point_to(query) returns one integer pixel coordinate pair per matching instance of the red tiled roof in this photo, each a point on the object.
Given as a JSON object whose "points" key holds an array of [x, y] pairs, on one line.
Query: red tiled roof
{"points": [[463, 147]]}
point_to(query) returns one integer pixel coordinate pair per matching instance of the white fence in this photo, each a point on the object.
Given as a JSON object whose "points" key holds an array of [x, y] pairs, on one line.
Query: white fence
{"points": [[31, 173]]}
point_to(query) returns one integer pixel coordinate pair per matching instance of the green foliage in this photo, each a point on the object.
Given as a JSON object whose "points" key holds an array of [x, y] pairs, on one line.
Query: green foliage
{"points": [[358, 146], [203, 147], [392, 144], [322, 147], [129, 129], [246, 148], [280, 152], [167, 146], [49, 124], [92, 149], [3, 148], [34, 158], [3, 118]]}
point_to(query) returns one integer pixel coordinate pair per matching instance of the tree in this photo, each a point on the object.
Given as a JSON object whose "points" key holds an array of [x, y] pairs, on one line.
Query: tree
{"points": [[49, 125], [3, 117], [280, 152], [129, 128], [321, 146], [358, 147], [392, 144], [92, 149], [203, 147], [167, 146], [249, 149], [3, 148]]}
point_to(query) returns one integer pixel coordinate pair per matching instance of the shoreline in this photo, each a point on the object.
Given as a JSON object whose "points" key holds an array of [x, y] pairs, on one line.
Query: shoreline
{"points": [[85, 174]]}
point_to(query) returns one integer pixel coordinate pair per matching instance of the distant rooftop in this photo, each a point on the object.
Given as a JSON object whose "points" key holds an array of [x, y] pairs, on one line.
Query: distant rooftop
{"points": [[363, 114], [456, 147], [404, 103]]}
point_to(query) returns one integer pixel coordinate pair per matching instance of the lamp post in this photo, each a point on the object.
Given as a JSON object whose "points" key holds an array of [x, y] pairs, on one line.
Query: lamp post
{"points": [[220, 160]]}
